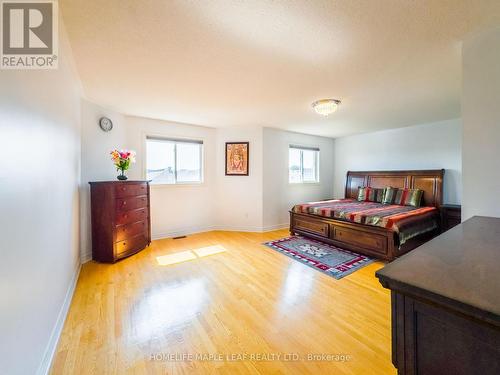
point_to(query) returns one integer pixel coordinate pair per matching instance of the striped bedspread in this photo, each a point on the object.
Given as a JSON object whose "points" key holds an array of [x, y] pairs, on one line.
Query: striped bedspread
{"points": [[406, 221]]}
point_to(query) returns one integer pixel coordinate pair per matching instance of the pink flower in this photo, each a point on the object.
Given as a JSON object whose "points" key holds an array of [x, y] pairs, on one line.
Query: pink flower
{"points": [[122, 156]]}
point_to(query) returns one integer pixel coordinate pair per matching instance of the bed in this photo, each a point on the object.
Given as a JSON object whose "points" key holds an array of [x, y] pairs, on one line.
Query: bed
{"points": [[373, 229]]}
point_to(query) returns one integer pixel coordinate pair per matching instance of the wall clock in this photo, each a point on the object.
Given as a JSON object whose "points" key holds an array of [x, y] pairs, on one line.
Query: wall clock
{"points": [[105, 124]]}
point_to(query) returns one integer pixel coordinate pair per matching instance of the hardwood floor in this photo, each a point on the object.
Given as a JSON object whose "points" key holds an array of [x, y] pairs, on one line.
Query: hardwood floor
{"points": [[127, 318]]}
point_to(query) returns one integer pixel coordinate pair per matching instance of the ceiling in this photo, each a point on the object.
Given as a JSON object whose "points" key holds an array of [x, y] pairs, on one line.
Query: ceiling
{"points": [[223, 63]]}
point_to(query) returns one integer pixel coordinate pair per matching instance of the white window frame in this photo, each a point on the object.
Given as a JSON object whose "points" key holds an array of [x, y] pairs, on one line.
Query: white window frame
{"points": [[175, 139], [317, 157]]}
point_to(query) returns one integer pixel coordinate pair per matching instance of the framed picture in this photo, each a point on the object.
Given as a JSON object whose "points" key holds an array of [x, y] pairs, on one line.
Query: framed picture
{"points": [[237, 158]]}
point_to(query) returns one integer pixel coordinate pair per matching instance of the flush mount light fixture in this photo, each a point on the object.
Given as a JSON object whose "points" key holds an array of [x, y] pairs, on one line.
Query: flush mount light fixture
{"points": [[326, 107]]}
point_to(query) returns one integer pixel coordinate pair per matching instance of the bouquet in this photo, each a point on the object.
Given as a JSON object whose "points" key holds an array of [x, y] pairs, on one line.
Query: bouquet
{"points": [[122, 159]]}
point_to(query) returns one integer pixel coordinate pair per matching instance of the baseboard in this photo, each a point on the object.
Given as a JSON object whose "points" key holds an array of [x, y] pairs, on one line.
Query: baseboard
{"points": [[225, 228], [86, 256], [235, 228], [181, 232], [270, 228], [48, 356]]}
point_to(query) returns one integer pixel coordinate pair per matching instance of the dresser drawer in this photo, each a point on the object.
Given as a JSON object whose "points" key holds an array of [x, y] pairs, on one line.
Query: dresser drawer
{"points": [[454, 214], [131, 245], [369, 241], [315, 227], [131, 203], [132, 216], [130, 190], [126, 231]]}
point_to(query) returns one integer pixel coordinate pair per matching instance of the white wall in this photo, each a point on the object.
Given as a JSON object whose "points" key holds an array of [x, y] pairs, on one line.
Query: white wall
{"points": [[429, 146], [39, 205], [96, 166], [221, 202], [176, 209], [238, 204], [278, 194], [481, 124]]}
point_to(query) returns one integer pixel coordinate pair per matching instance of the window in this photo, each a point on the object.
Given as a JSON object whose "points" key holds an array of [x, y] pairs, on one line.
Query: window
{"points": [[174, 161], [303, 166]]}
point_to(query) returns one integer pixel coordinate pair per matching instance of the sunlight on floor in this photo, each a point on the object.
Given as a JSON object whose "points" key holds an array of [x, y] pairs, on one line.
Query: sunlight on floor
{"points": [[185, 256], [175, 258], [209, 250]]}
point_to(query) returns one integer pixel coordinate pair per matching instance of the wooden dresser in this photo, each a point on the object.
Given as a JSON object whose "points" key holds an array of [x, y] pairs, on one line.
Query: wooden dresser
{"points": [[121, 223], [446, 302]]}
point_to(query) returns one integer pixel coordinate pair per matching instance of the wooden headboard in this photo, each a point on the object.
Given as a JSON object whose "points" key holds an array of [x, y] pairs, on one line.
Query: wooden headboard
{"points": [[430, 181]]}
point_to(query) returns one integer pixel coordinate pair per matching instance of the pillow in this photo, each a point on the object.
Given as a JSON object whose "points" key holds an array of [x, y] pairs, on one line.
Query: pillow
{"points": [[409, 197], [389, 195], [368, 194], [403, 197]]}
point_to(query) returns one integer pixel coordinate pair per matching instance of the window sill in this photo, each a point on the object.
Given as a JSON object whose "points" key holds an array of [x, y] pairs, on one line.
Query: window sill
{"points": [[187, 185], [304, 183]]}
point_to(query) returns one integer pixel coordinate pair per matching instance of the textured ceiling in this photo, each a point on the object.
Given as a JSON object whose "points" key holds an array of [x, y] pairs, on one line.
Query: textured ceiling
{"points": [[393, 63]]}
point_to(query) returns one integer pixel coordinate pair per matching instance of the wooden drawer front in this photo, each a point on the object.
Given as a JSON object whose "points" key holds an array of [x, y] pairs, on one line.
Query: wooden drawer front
{"points": [[131, 203], [369, 241], [130, 230], [131, 245], [453, 214], [128, 217], [130, 190], [312, 226]]}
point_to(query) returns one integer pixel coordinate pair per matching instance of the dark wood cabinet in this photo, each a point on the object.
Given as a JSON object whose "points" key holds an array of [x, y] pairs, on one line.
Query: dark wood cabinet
{"points": [[121, 224], [451, 215], [446, 302]]}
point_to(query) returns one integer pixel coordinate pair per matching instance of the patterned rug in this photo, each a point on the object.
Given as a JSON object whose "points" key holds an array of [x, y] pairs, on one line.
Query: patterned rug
{"points": [[326, 258]]}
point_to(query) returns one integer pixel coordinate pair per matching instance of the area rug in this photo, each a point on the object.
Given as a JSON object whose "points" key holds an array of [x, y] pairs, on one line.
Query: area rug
{"points": [[326, 258]]}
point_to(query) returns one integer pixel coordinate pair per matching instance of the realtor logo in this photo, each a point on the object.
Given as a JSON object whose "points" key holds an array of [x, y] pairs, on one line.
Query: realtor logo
{"points": [[28, 34]]}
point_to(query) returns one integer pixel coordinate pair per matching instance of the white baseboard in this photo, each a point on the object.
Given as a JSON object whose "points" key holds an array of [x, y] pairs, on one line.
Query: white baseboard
{"points": [[270, 228], [236, 228], [181, 232], [50, 350], [86, 256], [193, 230]]}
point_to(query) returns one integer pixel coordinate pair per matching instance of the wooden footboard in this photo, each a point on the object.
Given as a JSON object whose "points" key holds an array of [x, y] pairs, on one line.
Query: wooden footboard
{"points": [[372, 241]]}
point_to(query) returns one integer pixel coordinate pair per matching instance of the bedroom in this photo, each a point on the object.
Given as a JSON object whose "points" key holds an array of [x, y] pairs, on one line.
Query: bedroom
{"points": [[216, 100]]}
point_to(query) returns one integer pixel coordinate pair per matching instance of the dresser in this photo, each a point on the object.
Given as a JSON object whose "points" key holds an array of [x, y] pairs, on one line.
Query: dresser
{"points": [[445, 299], [121, 224]]}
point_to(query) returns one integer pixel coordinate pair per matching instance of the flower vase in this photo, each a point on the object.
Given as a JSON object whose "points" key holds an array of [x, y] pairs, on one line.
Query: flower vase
{"points": [[122, 176]]}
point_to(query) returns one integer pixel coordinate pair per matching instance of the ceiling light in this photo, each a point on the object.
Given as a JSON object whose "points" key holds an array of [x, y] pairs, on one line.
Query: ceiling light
{"points": [[326, 107]]}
